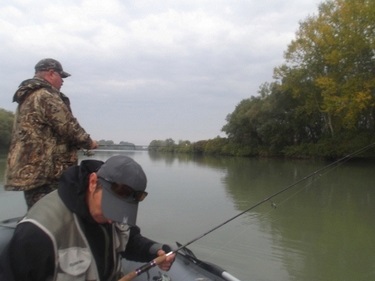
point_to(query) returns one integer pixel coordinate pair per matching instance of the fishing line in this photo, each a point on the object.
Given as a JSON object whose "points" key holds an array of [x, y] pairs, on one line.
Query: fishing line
{"points": [[315, 177], [274, 205], [160, 259]]}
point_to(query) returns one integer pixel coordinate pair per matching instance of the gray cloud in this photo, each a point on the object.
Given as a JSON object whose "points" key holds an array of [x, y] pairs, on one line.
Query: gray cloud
{"points": [[144, 70]]}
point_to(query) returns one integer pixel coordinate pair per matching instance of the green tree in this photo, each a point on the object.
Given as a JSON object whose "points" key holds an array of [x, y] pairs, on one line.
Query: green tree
{"points": [[331, 66], [264, 125], [167, 145], [323, 99], [106, 142], [6, 124], [184, 146]]}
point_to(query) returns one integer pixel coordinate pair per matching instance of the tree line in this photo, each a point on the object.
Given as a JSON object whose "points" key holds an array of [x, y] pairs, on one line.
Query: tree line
{"points": [[6, 124], [320, 104]]}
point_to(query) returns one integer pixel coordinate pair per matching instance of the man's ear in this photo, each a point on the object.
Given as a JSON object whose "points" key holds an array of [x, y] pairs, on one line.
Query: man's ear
{"points": [[93, 181]]}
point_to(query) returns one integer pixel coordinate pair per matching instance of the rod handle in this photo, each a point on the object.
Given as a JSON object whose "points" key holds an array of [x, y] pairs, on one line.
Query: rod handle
{"points": [[131, 275]]}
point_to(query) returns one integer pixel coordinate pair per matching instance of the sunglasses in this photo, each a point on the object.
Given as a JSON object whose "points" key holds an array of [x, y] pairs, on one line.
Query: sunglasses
{"points": [[125, 191]]}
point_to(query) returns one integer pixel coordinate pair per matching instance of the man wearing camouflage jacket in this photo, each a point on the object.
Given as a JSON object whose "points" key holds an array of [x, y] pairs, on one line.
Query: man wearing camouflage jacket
{"points": [[46, 136]]}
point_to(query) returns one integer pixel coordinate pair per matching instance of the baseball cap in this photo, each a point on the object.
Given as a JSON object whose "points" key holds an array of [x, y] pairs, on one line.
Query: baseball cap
{"points": [[47, 64], [124, 183]]}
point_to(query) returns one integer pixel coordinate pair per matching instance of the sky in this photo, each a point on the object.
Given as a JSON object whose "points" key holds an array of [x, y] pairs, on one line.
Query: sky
{"points": [[150, 70]]}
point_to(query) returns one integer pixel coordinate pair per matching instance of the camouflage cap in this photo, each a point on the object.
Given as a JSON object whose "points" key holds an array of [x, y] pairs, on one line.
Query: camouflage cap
{"points": [[47, 64]]}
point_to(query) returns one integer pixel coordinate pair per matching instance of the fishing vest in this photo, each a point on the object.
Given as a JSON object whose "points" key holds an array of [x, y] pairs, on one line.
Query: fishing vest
{"points": [[74, 260]]}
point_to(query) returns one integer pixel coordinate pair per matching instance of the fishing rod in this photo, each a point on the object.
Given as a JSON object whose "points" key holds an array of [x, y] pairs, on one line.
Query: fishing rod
{"points": [[161, 259], [9, 223]]}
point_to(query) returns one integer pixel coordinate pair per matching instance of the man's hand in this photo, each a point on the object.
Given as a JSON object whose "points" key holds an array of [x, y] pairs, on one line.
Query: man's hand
{"points": [[167, 263], [94, 145]]}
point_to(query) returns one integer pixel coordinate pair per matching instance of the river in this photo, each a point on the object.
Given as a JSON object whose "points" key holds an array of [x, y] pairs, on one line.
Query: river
{"points": [[321, 229]]}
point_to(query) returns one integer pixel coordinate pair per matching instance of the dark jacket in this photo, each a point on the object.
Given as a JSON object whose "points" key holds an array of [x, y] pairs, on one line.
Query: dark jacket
{"points": [[30, 256], [45, 136]]}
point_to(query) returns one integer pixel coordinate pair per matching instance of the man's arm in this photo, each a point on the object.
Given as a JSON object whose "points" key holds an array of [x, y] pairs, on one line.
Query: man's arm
{"points": [[29, 256], [140, 248], [61, 119]]}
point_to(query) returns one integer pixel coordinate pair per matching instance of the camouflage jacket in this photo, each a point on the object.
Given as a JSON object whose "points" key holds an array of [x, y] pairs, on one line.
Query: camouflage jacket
{"points": [[45, 136]]}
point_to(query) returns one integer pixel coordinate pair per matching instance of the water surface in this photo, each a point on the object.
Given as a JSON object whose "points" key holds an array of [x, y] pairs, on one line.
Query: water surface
{"points": [[321, 229]]}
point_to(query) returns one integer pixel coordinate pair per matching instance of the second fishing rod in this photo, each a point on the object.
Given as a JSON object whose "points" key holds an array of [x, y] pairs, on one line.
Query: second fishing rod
{"points": [[131, 275]]}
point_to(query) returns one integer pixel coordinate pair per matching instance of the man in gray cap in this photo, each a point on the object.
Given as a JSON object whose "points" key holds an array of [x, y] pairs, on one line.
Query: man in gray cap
{"points": [[46, 136], [82, 230]]}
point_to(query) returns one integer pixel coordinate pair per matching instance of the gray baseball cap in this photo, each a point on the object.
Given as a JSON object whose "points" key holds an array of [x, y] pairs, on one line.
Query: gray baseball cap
{"points": [[124, 184], [47, 64]]}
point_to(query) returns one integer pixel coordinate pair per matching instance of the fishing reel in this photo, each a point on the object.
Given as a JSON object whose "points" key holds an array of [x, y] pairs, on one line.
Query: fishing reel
{"points": [[161, 277]]}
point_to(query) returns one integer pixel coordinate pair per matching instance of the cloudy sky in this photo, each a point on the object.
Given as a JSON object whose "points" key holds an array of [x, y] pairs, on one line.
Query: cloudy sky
{"points": [[144, 70]]}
